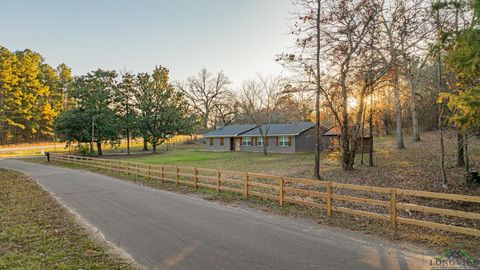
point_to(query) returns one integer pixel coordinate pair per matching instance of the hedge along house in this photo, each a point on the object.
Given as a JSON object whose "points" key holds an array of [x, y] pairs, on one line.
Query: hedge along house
{"points": [[226, 138], [280, 138]]}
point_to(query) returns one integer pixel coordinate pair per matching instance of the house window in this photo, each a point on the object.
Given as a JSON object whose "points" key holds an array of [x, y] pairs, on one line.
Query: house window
{"points": [[283, 141], [222, 141], [211, 141], [259, 141], [247, 141]]}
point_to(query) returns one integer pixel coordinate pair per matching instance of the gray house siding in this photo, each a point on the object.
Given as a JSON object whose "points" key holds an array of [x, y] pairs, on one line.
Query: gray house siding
{"points": [[305, 141], [216, 144], [301, 134], [271, 147]]}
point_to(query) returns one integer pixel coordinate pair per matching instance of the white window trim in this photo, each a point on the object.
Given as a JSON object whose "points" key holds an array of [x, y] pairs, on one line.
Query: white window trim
{"points": [[259, 141], [283, 141], [247, 141]]}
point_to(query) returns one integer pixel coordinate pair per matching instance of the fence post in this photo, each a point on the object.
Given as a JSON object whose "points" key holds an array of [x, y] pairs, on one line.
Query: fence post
{"points": [[196, 178], [128, 168], [281, 183], [393, 211], [149, 173], [119, 166], [161, 173], [246, 185], [218, 180], [138, 171], [329, 199], [178, 175]]}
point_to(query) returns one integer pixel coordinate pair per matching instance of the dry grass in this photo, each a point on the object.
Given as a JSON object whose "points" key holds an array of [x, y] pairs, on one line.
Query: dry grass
{"points": [[37, 233]]}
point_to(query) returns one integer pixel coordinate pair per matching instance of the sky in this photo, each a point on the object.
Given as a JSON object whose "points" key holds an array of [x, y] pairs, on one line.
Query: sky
{"points": [[240, 37]]}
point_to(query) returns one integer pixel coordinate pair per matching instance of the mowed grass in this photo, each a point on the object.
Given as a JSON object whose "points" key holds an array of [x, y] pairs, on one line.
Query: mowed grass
{"points": [[37, 233], [194, 155]]}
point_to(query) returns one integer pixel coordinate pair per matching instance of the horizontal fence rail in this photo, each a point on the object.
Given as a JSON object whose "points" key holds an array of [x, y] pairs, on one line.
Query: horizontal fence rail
{"points": [[388, 204]]}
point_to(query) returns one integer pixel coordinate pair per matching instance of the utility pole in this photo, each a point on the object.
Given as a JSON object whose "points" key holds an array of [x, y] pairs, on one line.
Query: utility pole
{"points": [[318, 146], [93, 133]]}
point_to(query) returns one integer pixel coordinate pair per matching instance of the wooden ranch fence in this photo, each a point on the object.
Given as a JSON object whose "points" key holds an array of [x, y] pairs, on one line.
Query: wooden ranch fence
{"points": [[318, 194]]}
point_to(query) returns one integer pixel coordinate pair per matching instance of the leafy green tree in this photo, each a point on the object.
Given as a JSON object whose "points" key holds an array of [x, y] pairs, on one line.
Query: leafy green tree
{"points": [[464, 60], [124, 106], [71, 126], [30, 96], [163, 112], [94, 97]]}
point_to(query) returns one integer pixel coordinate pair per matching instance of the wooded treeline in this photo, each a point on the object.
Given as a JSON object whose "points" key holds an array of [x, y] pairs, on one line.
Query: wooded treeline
{"points": [[32, 94], [107, 108], [383, 63]]}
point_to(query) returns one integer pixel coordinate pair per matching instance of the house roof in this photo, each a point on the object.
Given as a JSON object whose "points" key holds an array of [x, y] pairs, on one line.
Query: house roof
{"points": [[335, 131], [229, 131], [289, 129]]}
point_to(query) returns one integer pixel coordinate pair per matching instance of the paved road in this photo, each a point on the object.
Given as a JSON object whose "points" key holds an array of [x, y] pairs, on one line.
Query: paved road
{"points": [[162, 230]]}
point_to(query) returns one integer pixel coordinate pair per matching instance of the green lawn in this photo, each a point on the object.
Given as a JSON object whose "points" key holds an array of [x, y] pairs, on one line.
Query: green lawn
{"points": [[240, 161], [37, 233]]}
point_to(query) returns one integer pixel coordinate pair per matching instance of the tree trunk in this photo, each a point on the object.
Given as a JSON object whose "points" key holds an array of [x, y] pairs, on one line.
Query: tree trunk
{"points": [[345, 138], [362, 134], [370, 134], [442, 148], [264, 146], [145, 144], [128, 141], [355, 131], [205, 119], [465, 153], [413, 104], [318, 149], [398, 112], [99, 148], [154, 148], [460, 152], [440, 105]]}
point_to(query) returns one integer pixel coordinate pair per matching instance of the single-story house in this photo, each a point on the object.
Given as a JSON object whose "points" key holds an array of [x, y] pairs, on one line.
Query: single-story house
{"points": [[335, 134], [223, 139], [281, 138]]}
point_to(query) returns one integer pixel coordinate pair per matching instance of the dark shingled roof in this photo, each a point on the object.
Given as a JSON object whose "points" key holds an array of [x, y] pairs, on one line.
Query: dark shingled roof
{"points": [[229, 131], [288, 129]]}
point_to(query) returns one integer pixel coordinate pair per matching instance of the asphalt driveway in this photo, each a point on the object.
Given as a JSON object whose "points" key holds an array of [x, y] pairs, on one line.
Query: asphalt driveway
{"points": [[163, 230]]}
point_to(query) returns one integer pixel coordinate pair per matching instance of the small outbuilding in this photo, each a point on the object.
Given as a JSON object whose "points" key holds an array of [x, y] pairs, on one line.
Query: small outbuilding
{"points": [[291, 137], [334, 135]]}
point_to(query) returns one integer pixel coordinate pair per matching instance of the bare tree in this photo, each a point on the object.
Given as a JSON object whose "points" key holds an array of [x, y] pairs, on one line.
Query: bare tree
{"points": [[204, 92], [440, 86], [414, 35], [349, 24], [307, 59], [225, 111], [260, 99]]}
